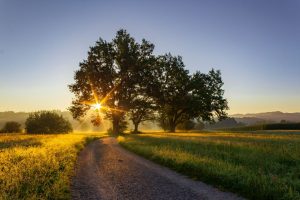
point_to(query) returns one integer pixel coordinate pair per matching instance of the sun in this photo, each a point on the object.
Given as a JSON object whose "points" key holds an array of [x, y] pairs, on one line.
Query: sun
{"points": [[96, 106]]}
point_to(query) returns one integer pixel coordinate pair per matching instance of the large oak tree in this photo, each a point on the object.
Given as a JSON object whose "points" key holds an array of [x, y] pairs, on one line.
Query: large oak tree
{"points": [[111, 75], [181, 97]]}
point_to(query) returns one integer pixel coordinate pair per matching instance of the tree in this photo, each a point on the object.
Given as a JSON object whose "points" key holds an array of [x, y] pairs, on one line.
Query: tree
{"points": [[110, 76], [11, 127], [172, 92], [208, 96], [47, 122], [181, 97], [186, 125], [142, 110], [124, 77], [142, 106]]}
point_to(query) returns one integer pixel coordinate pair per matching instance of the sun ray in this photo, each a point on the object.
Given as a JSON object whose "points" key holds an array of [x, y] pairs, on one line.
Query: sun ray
{"points": [[100, 105]]}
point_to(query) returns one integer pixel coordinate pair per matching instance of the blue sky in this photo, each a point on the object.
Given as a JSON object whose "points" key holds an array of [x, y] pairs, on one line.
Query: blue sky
{"points": [[255, 44]]}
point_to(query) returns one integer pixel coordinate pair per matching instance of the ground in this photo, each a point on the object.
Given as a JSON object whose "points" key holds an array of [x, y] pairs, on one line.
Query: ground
{"points": [[107, 171], [256, 165], [38, 166]]}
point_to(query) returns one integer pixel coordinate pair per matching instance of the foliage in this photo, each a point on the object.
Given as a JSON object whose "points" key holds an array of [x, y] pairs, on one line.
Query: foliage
{"points": [[257, 166], [47, 122], [181, 97], [127, 79], [38, 166], [11, 127], [142, 110], [186, 125], [112, 73], [162, 121]]}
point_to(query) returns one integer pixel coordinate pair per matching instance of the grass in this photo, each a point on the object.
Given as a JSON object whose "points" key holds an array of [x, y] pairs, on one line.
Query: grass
{"points": [[38, 166], [260, 127], [254, 165]]}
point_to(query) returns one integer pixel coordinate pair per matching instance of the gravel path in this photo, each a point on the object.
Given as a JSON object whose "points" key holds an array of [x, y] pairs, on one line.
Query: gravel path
{"points": [[107, 171]]}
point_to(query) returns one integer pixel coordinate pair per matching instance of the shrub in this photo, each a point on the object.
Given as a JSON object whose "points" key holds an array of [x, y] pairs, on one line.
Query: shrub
{"points": [[11, 127], [47, 122], [186, 125]]}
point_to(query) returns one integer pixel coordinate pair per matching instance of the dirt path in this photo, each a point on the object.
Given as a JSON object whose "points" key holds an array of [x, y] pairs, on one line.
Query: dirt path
{"points": [[107, 171]]}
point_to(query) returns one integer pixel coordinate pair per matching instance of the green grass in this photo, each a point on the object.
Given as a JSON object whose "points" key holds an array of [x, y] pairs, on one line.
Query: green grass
{"points": [[38, 166], [260, 127], [254, 165]]}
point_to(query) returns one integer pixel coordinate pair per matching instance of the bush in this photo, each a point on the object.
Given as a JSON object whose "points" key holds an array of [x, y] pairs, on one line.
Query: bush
{"points": [[47, 122], [11, 127], [186, 125]]}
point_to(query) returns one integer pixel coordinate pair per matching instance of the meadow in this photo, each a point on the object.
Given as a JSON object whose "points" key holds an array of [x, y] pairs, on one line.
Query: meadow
{"points": [[39, 166], [270, 127], [256, 165]]}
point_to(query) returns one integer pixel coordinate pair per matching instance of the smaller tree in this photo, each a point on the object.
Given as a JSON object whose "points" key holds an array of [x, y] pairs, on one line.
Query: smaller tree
{"points": [[181, 97], [11, 127], [142, 110], [47, 122]]}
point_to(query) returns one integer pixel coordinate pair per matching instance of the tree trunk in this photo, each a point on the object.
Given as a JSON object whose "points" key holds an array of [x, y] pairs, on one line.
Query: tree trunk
{"points": [[136, 128], [172, 127], [116, 125]]}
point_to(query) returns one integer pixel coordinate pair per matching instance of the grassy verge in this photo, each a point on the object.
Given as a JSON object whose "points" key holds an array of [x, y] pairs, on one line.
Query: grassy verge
{"points": [[254, 165], [38, 166]]}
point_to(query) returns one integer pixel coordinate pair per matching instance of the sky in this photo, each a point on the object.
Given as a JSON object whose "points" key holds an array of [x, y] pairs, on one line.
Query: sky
{"points": [[255, 44]]}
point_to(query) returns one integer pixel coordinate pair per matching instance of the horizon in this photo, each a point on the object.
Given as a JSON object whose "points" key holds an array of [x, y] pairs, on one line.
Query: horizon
{"points": [[254, 44], [230, 115]]}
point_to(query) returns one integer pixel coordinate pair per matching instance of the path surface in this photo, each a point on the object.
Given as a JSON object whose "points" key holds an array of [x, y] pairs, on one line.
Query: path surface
{"points": [[107, 171]]}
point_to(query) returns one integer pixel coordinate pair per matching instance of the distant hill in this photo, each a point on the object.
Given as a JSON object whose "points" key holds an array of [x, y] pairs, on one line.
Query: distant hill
{"points": [[226, 123], [12, 116], [267, 117]]}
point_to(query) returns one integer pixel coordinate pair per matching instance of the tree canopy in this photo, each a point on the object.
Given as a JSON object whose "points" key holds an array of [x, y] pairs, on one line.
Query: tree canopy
{"points": [[11, 127], [112, 75], [46, 122], [181, 97], [128, 80]]}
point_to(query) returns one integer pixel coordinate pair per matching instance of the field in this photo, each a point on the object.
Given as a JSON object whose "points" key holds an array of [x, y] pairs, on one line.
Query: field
{"points": [[38, 166], [260, 127], [256, 165]]}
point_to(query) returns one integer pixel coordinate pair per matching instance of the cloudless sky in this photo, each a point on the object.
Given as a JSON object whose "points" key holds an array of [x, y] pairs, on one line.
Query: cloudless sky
{"points": [[255, 44]]}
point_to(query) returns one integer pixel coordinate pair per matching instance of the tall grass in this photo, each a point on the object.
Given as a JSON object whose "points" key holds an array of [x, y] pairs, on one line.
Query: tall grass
{"points": [[38, 166], [257, 166]]}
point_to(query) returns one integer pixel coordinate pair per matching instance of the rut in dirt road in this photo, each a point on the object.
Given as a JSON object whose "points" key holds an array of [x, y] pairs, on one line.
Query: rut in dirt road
{"points": [[107, 171]]}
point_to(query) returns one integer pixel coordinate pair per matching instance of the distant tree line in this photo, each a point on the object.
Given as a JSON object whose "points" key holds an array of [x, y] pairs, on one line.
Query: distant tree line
{"points": [[132, 83], [43, 122], [11, 127]]}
